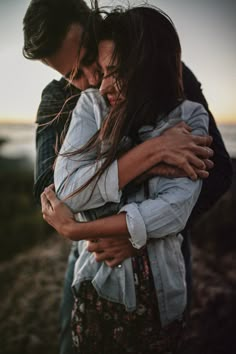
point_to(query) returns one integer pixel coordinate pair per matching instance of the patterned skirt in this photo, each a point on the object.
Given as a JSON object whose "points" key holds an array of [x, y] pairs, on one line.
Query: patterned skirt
{"points": [[103, 327]]}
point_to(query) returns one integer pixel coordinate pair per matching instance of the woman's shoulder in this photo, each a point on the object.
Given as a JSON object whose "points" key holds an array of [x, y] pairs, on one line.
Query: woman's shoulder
{"points": [[90, 98], [185, 111], [194, 114], [93, 98], [92, 94], [191, 107]]}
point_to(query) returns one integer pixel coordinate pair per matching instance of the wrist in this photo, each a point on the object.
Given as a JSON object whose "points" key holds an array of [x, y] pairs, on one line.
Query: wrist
{"points": [[156, 150], [71, 230]]}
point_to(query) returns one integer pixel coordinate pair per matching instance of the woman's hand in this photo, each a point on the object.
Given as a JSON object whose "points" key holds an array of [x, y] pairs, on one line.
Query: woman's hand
{"points": [[113, 251], [55, 212]]}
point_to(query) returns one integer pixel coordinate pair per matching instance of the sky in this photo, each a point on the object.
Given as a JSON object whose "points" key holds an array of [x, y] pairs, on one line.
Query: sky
{"points": [[207, 30]]}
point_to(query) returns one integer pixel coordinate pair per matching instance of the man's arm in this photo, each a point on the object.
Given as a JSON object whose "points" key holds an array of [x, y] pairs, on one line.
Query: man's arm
{"points": [[52, 120], [176, 146], [220, 177]]}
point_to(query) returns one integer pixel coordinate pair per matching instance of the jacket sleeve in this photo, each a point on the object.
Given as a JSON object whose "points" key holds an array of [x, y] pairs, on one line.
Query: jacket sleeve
{"points": [[52, 120], [73, 170], [220, 177]]}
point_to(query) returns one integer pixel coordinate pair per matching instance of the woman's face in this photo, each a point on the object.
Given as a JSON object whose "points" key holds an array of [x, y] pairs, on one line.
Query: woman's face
{"points": [[107, 63]]}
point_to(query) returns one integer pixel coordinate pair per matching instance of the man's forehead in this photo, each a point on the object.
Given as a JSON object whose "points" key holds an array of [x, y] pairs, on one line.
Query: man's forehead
{"points": [[70, 53], [75, 33]]}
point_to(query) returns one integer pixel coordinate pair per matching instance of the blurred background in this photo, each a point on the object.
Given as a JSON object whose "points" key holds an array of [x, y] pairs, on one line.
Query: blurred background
{"points": [[33, 258]]}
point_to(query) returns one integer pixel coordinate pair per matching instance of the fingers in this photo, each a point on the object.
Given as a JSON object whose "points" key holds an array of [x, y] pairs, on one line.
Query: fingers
{"points": [[44, 200], [204, 141], [114, 263], [51, 196], [209, 164], [109, 243], [45, 203], [195, 167], [111, 251], [102, 245], [182, 126], [94, 246], [187, 127], [209, 140], [117, 260], [179, 128], [202, 174], [189, 170], [203, 151], [101, 256]]}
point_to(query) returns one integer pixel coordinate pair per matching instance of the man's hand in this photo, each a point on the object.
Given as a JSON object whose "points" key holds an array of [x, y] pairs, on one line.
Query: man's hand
{"points": [[168, 171], [55, 212], [112, 251], [189, 153]]}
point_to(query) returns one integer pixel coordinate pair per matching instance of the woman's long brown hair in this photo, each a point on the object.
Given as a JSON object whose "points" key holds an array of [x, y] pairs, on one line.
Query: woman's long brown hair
{"points": [[148, 61]]}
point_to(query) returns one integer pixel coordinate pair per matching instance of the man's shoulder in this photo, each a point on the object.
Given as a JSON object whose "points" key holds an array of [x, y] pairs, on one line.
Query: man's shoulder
{"points": [[55, 87], [57, 97], [191, 106]]}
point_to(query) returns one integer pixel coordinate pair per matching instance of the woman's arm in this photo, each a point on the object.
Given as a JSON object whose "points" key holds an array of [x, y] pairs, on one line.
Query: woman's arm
{"points": [[167, 213], [152, 218], [59, 216], [176, 147]]}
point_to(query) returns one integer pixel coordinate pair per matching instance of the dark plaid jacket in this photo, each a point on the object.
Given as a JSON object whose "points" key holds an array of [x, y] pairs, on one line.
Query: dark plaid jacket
{"points": [[53, 118]]}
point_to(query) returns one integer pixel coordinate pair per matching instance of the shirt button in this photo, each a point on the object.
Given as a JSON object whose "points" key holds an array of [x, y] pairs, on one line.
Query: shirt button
{"points": [[119, 266]]}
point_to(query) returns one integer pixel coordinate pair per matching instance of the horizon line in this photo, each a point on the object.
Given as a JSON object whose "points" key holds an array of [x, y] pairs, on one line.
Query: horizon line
{"points": [[222, 120]]}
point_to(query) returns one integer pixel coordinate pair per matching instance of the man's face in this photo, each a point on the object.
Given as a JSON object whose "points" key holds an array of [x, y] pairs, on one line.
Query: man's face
{"points": [[69, 60]]}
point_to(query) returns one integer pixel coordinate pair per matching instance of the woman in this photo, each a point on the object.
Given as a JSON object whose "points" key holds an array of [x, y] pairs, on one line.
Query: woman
{"points": [[137, 307]]}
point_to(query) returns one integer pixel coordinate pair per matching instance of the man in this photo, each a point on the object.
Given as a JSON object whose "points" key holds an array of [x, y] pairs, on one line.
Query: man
{"points": [[54, 31]]}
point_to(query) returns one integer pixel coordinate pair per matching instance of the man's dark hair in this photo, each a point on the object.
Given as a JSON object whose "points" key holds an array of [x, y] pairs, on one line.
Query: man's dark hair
{"points": [[47, 22]]}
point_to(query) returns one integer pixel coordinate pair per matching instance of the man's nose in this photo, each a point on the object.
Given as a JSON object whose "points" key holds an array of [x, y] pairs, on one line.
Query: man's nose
{"points": [[92, 75]]}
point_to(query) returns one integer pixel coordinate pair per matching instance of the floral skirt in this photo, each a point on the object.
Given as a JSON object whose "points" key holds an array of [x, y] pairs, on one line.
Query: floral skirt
{"points": [[103, 327]]}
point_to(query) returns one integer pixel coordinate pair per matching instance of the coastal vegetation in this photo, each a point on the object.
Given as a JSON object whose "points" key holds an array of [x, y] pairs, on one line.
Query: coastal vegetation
{"points": [[20, 217]]}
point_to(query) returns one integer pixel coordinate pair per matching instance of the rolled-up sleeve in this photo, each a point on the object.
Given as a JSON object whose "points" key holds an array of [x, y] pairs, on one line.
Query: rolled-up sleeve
{"points": [[165, 215]]}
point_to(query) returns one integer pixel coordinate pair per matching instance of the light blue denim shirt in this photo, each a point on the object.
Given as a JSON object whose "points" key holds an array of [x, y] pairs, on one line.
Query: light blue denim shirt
{"points": [[156, 221]]}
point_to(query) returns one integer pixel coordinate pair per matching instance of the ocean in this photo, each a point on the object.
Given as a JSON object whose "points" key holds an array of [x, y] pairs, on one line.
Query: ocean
{"points": [[20, 140]]}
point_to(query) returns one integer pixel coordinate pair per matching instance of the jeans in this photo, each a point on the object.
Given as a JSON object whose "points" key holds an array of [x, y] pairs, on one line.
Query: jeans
{"points": [[186, 250], [66, 344]]}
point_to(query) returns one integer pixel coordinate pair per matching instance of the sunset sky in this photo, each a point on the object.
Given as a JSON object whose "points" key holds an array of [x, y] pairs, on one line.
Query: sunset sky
{"points": [[207, 29]]}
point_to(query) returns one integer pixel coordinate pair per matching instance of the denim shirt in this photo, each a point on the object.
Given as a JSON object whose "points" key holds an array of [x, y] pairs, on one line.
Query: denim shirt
{"points": [[156, 221]]}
